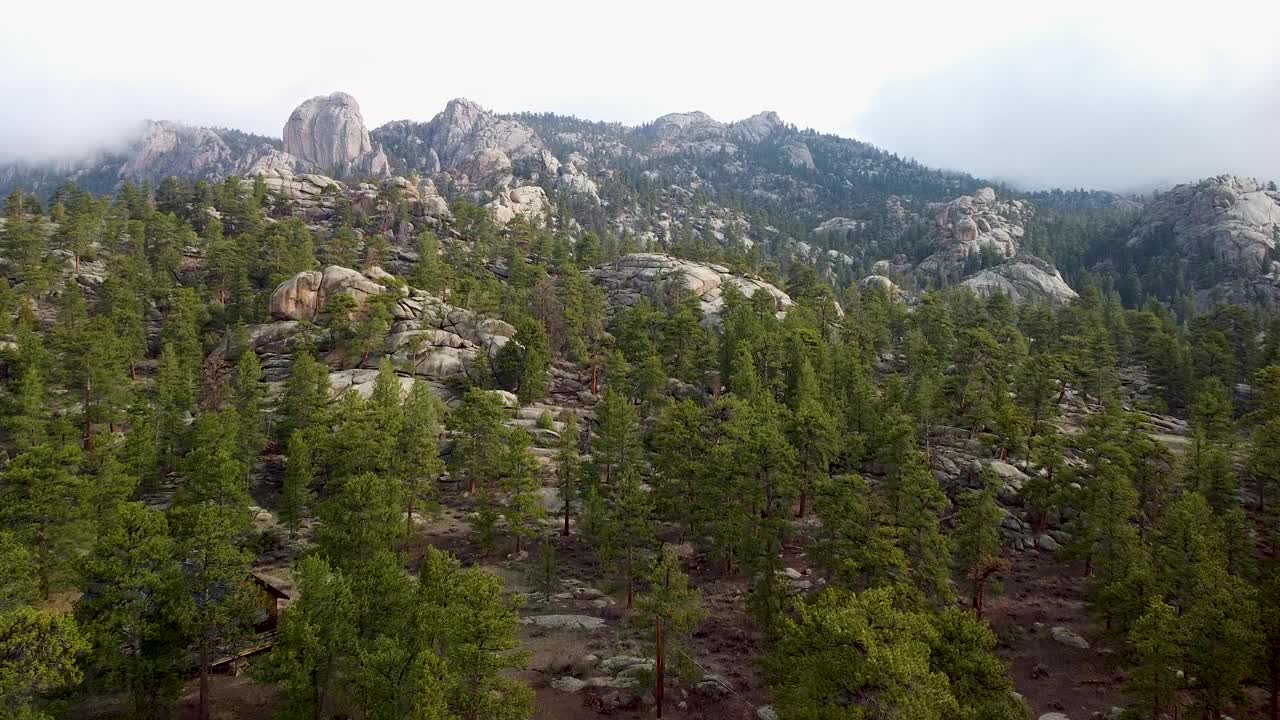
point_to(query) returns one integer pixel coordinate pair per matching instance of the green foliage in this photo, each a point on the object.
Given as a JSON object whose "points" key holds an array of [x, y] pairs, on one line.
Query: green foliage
{"points": [[297, 491], [306, 394], [17, 577], [1156, 643], [38, 653], [674, 602], [134, 610], [417, 457], [976, 541], [41, 495], [843, 652], [316, 641], [359, 520]]}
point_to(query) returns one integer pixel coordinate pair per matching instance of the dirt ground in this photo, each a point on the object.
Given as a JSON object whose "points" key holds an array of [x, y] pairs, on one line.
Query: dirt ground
{"points": [[1039, 592], [1035, 593]]}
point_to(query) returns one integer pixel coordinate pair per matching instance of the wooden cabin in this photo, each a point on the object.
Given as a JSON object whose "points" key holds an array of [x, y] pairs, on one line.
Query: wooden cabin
{"points": [[272, 597]]}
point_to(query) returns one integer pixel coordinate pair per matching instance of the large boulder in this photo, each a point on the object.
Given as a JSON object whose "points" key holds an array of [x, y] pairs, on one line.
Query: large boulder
{"points": [[305, 295], [328, 132], [529, 201], [653, 275], [1024, 279]]}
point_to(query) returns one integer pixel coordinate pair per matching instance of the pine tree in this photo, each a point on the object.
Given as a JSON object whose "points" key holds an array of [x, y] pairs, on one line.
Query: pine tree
{"points": [[851, 544], [532, 384], [479, 425], [297, 492], [248, 394], [976, 541], [632, 516], [916, 502], [212, 471], [1156, 642], [176, 396], [519, 485], [468, 616], [134, 609], [568, 468], [316, 642], [18, 584], [109, 483], [1264, 461], [360, 520], [42, 495], [430, 273], [38, 654], [812, 432], [671, 600], [418, 457], [215, 570], [305, 397], [963, 648], [680, 457], [841, 645], [29, 423], [615, 447]]}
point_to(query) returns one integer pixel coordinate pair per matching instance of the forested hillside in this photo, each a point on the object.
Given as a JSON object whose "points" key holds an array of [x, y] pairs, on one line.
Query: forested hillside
{"points": [[463, 432]]}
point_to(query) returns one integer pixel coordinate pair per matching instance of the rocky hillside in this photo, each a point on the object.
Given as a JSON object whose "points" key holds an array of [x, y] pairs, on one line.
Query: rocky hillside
{"points": [[703, 188], [1222, 233]]}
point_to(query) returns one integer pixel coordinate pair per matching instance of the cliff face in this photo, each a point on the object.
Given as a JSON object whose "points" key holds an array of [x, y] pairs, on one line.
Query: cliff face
{"points": [[329, 133]]}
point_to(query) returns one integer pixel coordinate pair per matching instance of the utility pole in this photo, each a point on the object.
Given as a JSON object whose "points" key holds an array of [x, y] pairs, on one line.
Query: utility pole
{"points": [[662, 666]]}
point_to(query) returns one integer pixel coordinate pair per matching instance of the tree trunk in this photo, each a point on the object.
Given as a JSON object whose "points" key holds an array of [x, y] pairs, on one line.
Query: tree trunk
{"points": [[1273, 666], [661, 669], [631, 589], [408, 518], [88, 392], [979, 591], [804, 497], [203, 713], [565, 532]]}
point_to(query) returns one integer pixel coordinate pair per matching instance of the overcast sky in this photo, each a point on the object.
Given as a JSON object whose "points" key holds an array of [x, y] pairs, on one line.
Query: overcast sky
{"points": [[1114, 94]]}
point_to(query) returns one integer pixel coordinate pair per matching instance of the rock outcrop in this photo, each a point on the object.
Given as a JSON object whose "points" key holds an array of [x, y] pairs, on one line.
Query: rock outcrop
{"points": [[640, 275], [167, 149], [698, 134], [305, 295], [528, 200], [484, 150], [973, 224], [884, 285], [429, 340], [329, 133], [1024, 279], [1232, 219]]}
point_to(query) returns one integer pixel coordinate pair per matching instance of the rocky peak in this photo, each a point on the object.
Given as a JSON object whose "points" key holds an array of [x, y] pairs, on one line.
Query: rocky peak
{"points": [[1233, 219], [329, 133], [166, 149], [489, 150], [689, 127], [757, 128]]}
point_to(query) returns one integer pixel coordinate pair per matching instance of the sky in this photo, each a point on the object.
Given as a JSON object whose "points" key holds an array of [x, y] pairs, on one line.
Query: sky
{"points": [[1118, 95]]}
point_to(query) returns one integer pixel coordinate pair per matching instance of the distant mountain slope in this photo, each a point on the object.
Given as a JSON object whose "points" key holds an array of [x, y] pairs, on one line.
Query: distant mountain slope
{"points": [[698, 186]]}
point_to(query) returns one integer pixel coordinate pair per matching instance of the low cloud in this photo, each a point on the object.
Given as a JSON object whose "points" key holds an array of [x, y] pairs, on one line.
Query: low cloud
{"points": [[1070, 111]]}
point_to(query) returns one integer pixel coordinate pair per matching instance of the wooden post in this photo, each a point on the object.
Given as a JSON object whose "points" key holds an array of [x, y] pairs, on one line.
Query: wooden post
{"points": [[661, 670]]}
